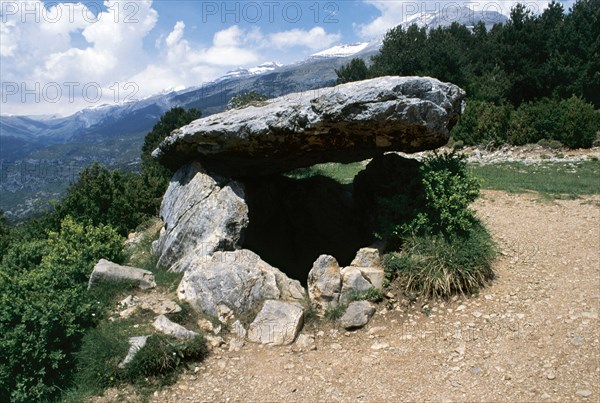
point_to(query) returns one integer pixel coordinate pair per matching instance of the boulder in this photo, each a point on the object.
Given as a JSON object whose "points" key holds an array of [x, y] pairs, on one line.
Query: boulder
{"points": [[349, 122], [324, 283], [135, 344], [166, 326], [109, 271], [367, 257], [236, 280], [202, 213], [357, 315], [277, 323], [353, 282], [368, 261]]}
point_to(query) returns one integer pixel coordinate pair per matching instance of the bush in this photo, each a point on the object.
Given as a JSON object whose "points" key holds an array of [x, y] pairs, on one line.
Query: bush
{"points": [[572, 122], [45, 310], [449, 189], [482, 123], [438, 266]]}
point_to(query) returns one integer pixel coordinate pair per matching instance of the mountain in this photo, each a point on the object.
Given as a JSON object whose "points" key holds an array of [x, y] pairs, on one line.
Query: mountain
{"points": [[41, 155], [450, 14]]}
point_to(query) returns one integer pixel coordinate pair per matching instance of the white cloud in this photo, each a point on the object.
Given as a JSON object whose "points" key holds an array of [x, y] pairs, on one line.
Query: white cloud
{"points": [[315, 39], [38, 50]]}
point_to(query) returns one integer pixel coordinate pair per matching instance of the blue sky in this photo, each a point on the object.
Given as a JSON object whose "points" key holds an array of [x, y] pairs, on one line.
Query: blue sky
{"points": [[58, 57]]}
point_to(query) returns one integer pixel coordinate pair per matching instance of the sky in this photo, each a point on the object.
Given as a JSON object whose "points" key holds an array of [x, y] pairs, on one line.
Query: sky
{"points": [[57, 57]]}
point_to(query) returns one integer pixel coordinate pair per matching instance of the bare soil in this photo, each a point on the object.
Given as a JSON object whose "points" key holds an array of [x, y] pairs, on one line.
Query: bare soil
{"points": [[532, 335]]}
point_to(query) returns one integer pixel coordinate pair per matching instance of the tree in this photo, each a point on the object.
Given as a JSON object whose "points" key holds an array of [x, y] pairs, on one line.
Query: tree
{"points": [[356, 70]]}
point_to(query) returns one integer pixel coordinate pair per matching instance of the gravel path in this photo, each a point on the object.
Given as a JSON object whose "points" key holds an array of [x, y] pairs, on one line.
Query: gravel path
{"points": [[533, 335]]}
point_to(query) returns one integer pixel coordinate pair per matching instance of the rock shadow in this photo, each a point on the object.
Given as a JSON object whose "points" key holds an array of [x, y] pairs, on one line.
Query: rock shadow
{"points": [[294, 221]]}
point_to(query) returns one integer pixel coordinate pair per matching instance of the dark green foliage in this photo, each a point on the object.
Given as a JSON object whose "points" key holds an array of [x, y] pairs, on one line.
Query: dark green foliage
{"points": [[103, 196], [4, 234], [171, 120], [246, 99], [483, 122], [356, 70], [101, 351], [572, 122], [444, 249], [439, 266], [449, 190], [45, 310], [434, 200]]}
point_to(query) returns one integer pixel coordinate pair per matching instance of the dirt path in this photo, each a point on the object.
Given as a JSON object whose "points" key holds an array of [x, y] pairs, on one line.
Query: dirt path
{"points": [[531, 336]]}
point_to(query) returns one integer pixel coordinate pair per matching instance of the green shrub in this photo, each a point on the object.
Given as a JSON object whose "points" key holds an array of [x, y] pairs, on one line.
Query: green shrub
{"points": [[45, 310], [483, 123], [572, 122], [449, 189], [439, 266], [580, 123]]}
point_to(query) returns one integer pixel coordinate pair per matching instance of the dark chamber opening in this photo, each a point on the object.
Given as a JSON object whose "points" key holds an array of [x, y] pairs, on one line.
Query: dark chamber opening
{"points": [[293, 221]]}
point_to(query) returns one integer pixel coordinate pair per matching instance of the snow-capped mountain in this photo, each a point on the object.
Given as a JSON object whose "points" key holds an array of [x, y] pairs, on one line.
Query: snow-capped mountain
{"points": [[341, 51], [242, 72], [461, 15]]}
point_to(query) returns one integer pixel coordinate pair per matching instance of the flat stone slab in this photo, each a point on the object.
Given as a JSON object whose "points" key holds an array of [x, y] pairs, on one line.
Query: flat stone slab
{"points": [[349, 122], [109, 271]]}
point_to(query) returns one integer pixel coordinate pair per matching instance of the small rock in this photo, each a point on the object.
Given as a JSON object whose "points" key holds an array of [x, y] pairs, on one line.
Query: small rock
{"points": [[236, 344], [357, 314], [215, 341], [129, 312], [288, 366], [166, 326], [135, 344], [584, 393], [379, 346], [335, 346], [304, 341], [577, 340], [376, 329], [460, 308], [550, 374]]}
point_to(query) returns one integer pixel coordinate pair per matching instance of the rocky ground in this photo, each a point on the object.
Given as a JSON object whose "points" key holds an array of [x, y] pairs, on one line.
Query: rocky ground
{"points": [[532, 335]]}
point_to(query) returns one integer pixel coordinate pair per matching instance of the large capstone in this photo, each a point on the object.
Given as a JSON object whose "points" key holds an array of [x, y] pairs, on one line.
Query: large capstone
{"points": [[349, 122]]}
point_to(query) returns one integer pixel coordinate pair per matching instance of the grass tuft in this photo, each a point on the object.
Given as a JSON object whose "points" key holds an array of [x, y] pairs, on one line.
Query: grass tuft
{"points": [[437, 266]]}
